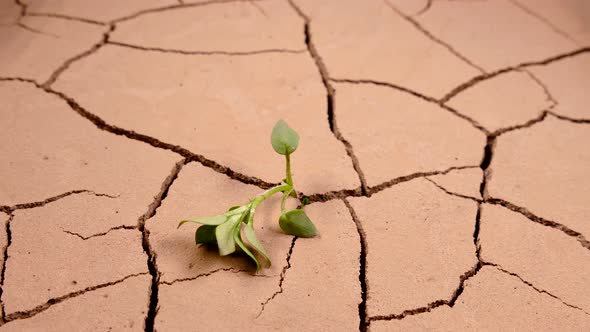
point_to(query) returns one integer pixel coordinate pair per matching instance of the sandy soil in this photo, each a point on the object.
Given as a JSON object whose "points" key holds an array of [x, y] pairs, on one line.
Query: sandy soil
{"points": [[444, 150]]}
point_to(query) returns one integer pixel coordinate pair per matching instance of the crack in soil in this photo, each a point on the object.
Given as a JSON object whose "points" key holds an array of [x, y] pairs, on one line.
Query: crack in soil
{"points": [[485, 163], [330, 95], [572, 120], [420, 95], [458, 291], [539, 220], [527, 124], [40, 308], [206, 274], [23, 7], [20, 24], [451, 302], [282, 275], [154, 142], [363, 190], [445, 190], [543, 20], [432, 37], [102, 125], [405, 178], [363, 280], [475, 80], [345, 193], [100, 234], [21, 206], [66, 17], [5, 256], [176, 6], [19, 20], [54, 76], [424, 9], [183, 52], [499, 268], [147, 248]]}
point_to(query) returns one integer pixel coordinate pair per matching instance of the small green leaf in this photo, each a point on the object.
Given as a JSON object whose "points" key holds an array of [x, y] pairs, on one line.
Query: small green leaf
{"points": [[251, 237], [224, 234], [240, 243], [234, 207], [296, 222], [213, 220], [284, 139], [206, 235]]}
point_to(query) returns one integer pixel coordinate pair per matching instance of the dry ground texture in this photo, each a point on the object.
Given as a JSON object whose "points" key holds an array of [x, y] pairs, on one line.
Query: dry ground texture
{"points": [[444, 148]]}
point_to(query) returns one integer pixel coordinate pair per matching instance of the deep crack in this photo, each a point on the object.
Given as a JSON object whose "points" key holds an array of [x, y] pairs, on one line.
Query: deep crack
{"points": [[147, 248], [283, 275], [363, 280], [330, 95], [5, 259]]}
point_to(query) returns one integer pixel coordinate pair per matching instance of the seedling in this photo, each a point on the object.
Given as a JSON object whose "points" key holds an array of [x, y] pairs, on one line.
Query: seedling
{"points": [[225, 230]]}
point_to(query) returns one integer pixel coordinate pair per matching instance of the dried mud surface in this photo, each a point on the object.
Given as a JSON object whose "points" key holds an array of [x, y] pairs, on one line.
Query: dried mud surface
{"points": [[443, 152]]}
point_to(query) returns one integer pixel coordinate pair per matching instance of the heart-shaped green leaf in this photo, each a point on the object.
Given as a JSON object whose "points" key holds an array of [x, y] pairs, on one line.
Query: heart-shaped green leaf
{"points": [[224, 234], [296, 222], [206, 235], [213, 220], [251, 237], [284, 139]]}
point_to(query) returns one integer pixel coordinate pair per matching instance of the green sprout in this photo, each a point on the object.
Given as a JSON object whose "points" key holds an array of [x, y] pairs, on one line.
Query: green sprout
{"points": [[225, 230]]}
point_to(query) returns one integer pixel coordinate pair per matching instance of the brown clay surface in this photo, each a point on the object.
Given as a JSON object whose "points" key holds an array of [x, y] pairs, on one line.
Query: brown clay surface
{"points": [[443, 151]]}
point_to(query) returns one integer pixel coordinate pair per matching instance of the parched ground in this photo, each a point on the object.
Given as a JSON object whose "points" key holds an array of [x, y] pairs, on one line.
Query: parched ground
{"points": [[444, 147]]}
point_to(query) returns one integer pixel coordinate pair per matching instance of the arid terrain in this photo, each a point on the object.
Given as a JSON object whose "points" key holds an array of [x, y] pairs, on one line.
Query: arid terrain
{"points": [[444, 150]]}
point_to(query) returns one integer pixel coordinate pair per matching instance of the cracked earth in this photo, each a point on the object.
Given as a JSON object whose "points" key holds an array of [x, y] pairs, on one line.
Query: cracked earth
{"points": [[444, 150]]}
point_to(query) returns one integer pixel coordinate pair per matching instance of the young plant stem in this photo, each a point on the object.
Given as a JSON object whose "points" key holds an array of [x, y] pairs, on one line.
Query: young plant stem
{"points": [[289, 179], [260, 198], [284, 200]]}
